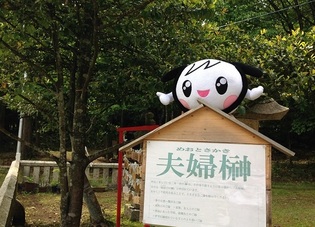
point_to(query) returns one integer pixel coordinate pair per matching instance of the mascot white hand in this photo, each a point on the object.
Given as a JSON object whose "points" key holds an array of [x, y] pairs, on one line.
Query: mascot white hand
{"points": [[255, 93], [165, 99], [217, 83]]}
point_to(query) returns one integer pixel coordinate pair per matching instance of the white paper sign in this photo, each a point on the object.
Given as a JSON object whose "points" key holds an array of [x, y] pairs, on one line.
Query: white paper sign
{"points": [[205, 184]]}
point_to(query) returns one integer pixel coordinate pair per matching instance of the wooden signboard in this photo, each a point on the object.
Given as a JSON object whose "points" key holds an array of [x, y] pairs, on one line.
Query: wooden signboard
{"points": [[205, 184], [205, 168]]}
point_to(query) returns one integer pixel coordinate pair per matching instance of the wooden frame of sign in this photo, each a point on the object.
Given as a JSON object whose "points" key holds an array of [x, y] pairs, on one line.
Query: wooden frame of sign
{"points": [[208, 125]]}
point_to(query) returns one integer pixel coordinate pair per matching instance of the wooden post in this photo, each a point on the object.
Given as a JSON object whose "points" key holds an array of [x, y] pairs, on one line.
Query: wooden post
{"points": [[268, 187], [144, 158]]}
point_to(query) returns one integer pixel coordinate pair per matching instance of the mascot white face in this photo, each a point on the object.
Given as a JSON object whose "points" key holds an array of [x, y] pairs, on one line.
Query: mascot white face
{"points": [[217, 83]]}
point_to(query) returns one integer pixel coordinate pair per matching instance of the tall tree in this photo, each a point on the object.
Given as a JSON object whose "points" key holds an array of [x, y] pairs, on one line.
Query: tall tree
{"points": [[293, 14], [77, 55]]}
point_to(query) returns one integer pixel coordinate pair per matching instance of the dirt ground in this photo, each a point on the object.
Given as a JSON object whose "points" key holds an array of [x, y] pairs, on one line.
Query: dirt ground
{"points": [[42, 209]]}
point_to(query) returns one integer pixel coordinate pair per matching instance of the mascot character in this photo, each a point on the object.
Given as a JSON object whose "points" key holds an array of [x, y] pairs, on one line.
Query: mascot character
{"points": [[217, 83]]}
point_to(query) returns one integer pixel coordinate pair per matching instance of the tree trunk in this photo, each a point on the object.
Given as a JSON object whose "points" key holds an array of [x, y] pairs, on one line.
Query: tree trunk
{"points": [[2, 122], [76, 193], [79, 160], [96, 214], [26, 136], [62, 163], [80, 76]]}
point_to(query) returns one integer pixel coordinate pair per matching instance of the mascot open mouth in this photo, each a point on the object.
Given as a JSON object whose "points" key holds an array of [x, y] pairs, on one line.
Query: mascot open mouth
{"points": [[203, 93]]}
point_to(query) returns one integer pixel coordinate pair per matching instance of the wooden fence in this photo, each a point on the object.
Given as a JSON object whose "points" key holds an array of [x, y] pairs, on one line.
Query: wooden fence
{"points": [[7, 194], [46, 173]]}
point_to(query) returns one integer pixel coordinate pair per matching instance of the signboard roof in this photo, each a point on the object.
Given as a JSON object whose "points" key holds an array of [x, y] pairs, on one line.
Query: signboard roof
{"points": [[207, 124]]}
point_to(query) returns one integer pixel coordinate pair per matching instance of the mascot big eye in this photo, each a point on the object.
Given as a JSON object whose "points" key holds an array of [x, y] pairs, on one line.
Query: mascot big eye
{"points": [[219, 84]]}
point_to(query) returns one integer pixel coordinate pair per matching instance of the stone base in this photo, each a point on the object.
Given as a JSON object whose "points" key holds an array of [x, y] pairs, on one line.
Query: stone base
{"points": [[131, 212]]}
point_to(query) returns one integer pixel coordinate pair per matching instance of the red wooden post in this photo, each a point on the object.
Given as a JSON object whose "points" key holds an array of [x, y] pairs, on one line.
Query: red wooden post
{"points": [[119, 187]]}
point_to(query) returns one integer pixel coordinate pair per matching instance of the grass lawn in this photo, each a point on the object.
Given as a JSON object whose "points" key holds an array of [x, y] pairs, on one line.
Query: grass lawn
{"points": [[293, 204], [3, 173], [35, 204]]}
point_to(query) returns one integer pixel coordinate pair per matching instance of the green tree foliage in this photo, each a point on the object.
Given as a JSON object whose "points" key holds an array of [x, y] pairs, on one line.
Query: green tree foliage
{"points": [[278, 37], [85, 61], [290, 62], [94, 65], [291, 14], [137, 53]]}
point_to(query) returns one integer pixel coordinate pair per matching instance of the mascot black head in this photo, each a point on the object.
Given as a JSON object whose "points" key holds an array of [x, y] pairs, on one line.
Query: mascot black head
{"points": [[219, 84]]}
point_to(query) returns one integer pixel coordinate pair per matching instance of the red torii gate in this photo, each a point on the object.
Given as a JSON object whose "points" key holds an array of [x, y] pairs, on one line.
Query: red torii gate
{"points": [[122, 131]]}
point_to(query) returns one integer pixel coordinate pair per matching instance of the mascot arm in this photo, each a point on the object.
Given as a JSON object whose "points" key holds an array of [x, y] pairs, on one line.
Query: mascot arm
{"points": [[165, 99], [254, 93]]}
